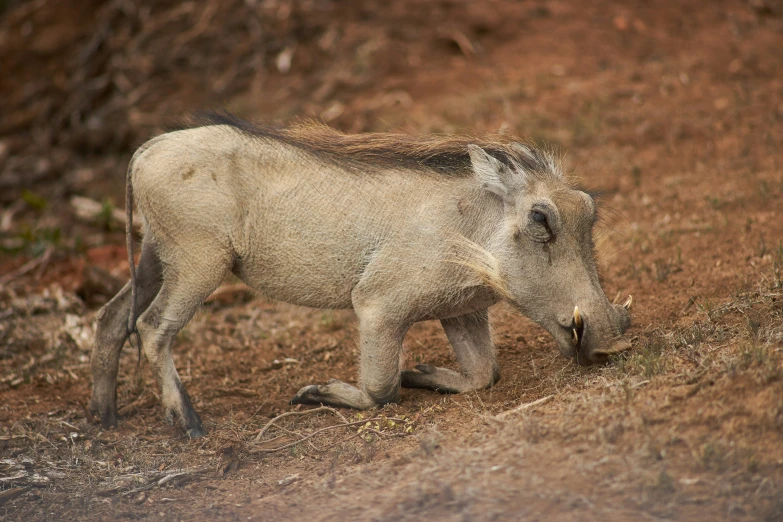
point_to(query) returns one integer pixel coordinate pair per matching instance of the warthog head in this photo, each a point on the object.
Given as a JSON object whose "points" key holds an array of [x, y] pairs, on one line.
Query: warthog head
{"points": [[544, 259]]}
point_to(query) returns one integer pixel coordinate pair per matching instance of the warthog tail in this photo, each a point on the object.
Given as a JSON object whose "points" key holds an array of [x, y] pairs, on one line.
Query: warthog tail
{"points": [[133, 332]]}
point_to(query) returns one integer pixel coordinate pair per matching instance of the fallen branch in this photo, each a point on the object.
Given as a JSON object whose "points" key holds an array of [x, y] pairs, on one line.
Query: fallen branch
{"points": [[181, 476], [177, 477], [14, 478], [8, 495], [138, 404], [524, 407], [242, 392], [27, 267]]}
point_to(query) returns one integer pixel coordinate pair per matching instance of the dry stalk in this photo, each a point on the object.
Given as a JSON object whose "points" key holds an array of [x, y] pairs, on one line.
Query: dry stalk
{"points": [[295, 413], [321, 430], [345, 424], [524, 407]]}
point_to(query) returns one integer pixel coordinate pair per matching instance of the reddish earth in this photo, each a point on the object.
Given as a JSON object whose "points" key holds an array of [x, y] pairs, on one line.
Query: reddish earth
{"points": [[674, 112]]}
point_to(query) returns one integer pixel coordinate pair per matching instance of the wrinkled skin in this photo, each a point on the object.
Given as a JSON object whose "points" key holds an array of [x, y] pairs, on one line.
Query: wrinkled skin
{"points": [[396, 245]]}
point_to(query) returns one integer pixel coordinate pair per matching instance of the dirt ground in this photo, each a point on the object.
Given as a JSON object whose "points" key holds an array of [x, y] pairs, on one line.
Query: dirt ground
{"points": [[673, 111]]}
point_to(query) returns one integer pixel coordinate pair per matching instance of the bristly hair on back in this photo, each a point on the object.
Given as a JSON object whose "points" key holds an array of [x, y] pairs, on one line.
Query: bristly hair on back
{"points": [[447, 154]]}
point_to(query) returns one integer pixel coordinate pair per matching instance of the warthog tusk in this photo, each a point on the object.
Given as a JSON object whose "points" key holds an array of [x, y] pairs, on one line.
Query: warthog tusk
{"points": [[628, 303], [574, 337], [577, 318]]}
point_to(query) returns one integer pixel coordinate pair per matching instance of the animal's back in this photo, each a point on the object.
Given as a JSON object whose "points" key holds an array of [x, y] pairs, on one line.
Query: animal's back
{"points": [[301, 229]]}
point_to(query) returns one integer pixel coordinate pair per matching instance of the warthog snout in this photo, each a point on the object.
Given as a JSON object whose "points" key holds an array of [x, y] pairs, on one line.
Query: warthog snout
{"points": [[593, 342], [602, 355]]}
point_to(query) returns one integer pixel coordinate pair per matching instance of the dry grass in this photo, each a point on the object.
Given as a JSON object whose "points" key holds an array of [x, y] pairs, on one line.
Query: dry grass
{"points": [[691, 410]]}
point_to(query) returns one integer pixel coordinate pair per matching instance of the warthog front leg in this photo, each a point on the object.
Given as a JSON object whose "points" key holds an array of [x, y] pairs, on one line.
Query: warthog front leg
{"points": [[380, 342], [469, 336], [112, 331]]}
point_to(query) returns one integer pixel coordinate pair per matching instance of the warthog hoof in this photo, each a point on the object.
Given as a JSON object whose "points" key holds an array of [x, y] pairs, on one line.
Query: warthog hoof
{"points": [[307, 395], [189, 420], [197, 432], [107, 414], [334, 393]]}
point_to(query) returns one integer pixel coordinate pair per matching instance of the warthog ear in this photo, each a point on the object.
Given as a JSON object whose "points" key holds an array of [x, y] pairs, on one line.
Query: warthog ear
{"points": [[491, 173]]}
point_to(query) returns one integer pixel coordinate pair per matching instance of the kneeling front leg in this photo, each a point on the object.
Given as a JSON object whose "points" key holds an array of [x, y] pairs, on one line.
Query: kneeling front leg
{"points": [[470, 337], [380, 343]]}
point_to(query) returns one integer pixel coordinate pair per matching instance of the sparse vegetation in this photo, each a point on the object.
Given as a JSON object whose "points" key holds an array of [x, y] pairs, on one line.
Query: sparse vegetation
{"points": [[104, 219]]}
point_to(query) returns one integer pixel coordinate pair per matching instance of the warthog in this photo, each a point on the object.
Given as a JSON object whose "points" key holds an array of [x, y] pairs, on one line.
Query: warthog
{"points": [[399, 228]]}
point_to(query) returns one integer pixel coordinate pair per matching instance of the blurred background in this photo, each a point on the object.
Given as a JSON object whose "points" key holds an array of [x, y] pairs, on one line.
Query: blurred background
{"points": [[83, 83]]}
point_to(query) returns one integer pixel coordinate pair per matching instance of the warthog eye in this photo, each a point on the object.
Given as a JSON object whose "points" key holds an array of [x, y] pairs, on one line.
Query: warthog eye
{"points": [[540, 230]]}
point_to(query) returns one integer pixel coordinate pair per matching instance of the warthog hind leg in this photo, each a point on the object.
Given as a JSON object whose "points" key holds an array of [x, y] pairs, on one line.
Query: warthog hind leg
{"points": [[112, 331], [469, 336], [379, 367], [184, 289]]}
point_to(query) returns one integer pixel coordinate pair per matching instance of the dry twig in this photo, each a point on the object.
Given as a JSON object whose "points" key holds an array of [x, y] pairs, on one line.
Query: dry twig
{"points": [[10, 494], [344, 424], [524, 407], [41, 260], [139, 404], [295, 413], [321, 430]]}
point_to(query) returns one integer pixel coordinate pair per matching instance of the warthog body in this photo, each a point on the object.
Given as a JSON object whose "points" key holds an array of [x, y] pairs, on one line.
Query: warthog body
{"points": [[400, 229]]}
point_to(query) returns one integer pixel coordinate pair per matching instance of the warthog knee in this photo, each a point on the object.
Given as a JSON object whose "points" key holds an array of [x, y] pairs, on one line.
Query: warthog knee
{"points": [[384, 395], [109, 326], [484, 379], [100, 316]]}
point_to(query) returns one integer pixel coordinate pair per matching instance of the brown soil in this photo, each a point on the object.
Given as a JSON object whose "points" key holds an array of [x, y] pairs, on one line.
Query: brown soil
{"points": [[673, 111]]}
